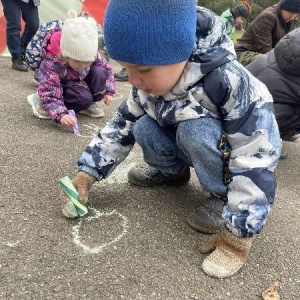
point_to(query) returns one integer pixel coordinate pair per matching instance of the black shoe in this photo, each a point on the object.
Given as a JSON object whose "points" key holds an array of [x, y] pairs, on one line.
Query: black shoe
{"points": [[151, 177], [36, 75], [290, 135], [19, 65], [122, 75], [284, 154], [208, 217]]}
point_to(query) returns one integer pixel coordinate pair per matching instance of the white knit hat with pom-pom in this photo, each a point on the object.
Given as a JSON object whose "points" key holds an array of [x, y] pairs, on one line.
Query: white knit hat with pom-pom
{"points": [[79, 38]]}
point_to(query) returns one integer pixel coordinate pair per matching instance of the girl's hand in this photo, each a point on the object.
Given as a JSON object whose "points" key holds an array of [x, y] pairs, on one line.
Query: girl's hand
{"points": [[108, 99], [67, 120]]}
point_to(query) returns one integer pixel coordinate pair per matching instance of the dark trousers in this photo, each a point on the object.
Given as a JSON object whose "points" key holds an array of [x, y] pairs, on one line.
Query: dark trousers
{"points": [[80, 97], [287, 116], [13, 10]]}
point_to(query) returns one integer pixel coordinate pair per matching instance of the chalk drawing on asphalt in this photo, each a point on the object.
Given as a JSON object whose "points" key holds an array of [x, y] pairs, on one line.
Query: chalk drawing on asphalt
{"points": [[91, 128], [118, 176], [97, 215], [94, 130], [117, 96]]}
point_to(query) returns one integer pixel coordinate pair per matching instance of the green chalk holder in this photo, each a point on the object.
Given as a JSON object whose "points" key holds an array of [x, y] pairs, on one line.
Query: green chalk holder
{"points": [[68, 187]]}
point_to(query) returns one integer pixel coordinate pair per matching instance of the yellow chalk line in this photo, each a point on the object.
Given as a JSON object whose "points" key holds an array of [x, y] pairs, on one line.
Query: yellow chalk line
{"points": [[98, 214]]}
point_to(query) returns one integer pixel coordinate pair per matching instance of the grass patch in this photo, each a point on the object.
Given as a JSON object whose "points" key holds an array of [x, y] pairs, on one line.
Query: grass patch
{"points": [[237, 35]]}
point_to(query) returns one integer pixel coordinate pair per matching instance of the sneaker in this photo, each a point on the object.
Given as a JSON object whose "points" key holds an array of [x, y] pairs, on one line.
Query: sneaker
{"points": [[93, 111], [19, 65], [122, 75], [150, 177], [34, 101], [290, 135], [284, 154], [208, 217]]}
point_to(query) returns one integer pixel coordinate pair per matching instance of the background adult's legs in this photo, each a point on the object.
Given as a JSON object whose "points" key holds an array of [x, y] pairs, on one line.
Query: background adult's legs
{"points": [[12, 12], [30, 15]]}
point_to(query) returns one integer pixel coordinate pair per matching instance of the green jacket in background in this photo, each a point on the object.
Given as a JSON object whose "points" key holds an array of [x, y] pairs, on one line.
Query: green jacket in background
{"points": [[228, 19]]}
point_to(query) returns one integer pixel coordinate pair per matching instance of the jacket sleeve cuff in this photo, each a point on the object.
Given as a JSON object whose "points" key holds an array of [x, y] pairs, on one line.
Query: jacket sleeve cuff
{"points": [[91, 171]]}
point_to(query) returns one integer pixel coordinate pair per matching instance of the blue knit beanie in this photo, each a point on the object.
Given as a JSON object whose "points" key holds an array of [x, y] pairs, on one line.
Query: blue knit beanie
{"points": [[292, 6], [150, 32]]}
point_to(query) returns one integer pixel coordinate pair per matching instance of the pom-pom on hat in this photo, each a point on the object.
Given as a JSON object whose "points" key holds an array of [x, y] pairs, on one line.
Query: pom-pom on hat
{"points": [[240, 10], [292, 6], [79, 38], [150, 32]]}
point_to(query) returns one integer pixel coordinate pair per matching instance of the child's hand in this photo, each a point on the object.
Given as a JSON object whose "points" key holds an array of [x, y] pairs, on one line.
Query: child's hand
{"points": [[67, 120], [83, 183], [108, 99]]}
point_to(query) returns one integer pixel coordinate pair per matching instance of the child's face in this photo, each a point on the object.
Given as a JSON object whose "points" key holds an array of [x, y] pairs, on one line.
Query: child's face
{"points": [[155, 80], [77, 65], [288, 16], [239, 20]]}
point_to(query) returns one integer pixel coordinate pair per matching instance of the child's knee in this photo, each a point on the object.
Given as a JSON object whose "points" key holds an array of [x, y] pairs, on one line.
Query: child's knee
{"points": [[77, 99], [142, 128], [98, 73], [199, 133]]}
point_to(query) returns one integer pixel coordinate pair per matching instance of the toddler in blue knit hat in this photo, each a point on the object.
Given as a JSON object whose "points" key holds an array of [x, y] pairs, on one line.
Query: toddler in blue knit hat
{"points": [[191, 105]]}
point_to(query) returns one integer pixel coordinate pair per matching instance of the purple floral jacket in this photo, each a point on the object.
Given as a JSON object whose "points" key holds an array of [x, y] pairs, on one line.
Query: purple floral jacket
{"points": [[54, 75]]}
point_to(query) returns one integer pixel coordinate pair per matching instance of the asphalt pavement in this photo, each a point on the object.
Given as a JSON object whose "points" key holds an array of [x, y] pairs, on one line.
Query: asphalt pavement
{"points": [[135, 243]]}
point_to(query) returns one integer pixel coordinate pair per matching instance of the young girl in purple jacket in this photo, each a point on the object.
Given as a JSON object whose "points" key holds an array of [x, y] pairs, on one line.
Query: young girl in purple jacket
{"points": [[73, 75]]}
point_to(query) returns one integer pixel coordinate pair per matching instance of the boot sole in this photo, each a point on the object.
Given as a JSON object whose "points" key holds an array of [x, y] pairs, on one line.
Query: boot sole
{"points": [[149, 184], [20, 70], [291, 138]]}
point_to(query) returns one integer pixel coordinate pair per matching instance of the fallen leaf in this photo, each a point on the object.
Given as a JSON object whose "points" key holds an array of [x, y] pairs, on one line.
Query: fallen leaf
{"points": [[271, 293]]}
